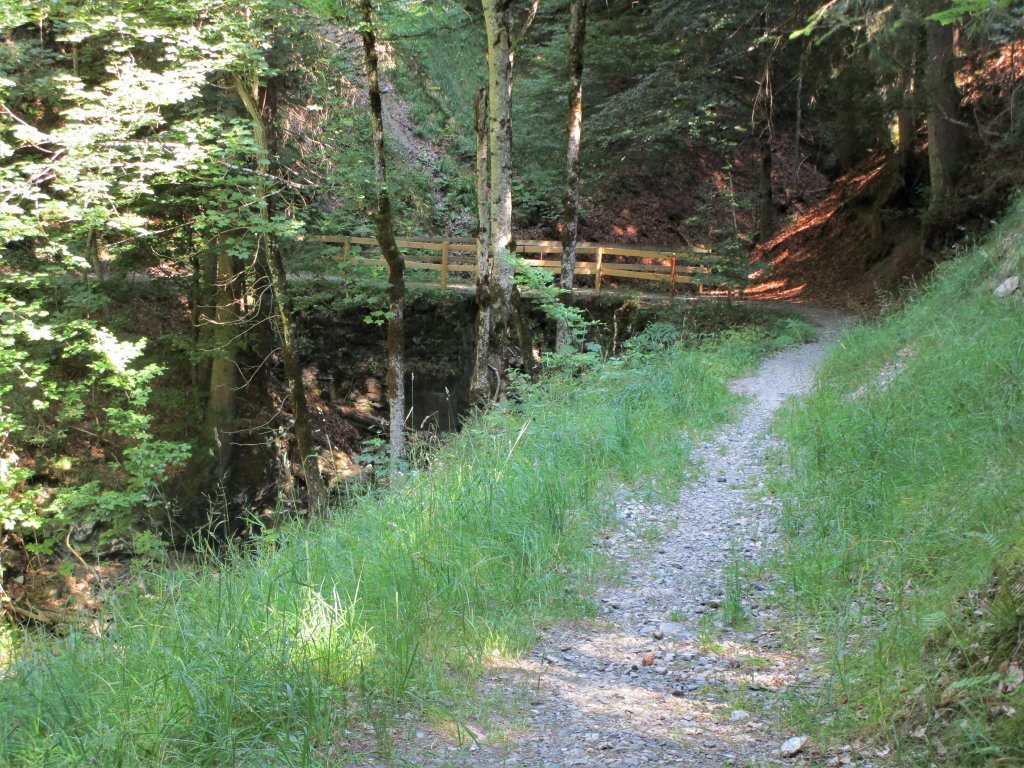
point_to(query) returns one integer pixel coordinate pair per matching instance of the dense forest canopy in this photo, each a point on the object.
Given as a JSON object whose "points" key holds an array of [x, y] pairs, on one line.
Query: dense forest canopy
{"points": [[161, 162]]}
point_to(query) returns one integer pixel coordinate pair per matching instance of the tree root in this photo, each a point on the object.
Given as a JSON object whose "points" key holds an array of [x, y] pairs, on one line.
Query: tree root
{"points": [[48, 618], [55, 620]]}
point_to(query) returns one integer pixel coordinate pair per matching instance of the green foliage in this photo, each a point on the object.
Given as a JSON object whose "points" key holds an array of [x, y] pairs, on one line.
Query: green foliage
{"points": [[961, 8], [123, 144], [665, 102], [905, 492], [101, 118], [61, 378], [544, 292], [654, 338], [265, 657]]}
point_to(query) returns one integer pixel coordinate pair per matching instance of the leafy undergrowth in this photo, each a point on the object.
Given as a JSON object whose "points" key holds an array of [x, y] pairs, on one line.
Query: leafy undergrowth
{"points": [[268, 656], [905, 525]]}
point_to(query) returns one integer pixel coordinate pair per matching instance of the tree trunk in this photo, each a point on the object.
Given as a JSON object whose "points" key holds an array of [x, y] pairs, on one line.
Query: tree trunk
{"points": [[945, 133], [388, 247], [906, 124], [574, 127], [500, 242], [204, 304], [227, 316], [263, 132], [479, 388], [523, 330], [794, 182], [95, 251], [765, 207], [762, 124]]}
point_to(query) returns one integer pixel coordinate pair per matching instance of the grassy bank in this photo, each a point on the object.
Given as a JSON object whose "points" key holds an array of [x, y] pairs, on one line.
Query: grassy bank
{"points": [[905, 525], [266, 657]]}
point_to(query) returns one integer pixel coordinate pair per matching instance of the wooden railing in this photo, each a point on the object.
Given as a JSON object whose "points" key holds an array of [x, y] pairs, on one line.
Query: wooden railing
{"points": [[457, 256]]}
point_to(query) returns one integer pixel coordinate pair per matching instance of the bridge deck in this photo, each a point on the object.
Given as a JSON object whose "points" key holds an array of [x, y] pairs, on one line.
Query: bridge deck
{"points": [[454, 257]]}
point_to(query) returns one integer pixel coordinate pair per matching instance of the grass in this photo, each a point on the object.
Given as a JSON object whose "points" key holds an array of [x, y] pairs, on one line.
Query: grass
{"points": [[269, 654], [733, 613], [906, 498]]}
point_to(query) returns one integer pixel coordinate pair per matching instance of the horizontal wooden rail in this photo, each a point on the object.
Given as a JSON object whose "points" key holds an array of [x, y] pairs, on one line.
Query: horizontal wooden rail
{"points": [[687, 265]]}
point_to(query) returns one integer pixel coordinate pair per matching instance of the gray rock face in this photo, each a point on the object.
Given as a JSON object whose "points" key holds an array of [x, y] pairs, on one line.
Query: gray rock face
{"points": [[1008, 286], [792, 747]]}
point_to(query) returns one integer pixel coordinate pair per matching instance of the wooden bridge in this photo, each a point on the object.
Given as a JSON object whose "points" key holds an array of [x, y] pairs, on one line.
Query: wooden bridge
{"points": [[451, 261]]}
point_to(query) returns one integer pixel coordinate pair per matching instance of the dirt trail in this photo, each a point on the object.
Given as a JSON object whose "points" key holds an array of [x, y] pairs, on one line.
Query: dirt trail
{"points": [[657, 680]]}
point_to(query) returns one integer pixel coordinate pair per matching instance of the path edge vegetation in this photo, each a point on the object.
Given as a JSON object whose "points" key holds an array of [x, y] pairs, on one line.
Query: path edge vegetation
{"points": [[904, 520], [271, 653]]}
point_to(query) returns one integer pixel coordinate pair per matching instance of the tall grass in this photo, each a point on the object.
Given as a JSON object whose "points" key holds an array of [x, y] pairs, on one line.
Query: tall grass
{"points": [[906, 487], [265, 657]]}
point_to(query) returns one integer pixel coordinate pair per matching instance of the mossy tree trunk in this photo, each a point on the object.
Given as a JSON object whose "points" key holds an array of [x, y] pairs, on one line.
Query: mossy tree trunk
{"points": [[906, 119], [574, 130], [389, 248], [497, 300], [225, 321], [945, 128], [202, 311], [794, 179], [765, 204], [272, 263], [479, 387], [762, 124]]}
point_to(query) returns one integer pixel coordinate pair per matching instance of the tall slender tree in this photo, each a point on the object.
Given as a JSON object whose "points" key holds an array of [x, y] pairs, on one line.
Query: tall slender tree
{"points": [[480, 386], [945, 132], [762, 124], [271, 266], [500, 302], [386, 238], [492, 354], [574, 130], [228, 279]]}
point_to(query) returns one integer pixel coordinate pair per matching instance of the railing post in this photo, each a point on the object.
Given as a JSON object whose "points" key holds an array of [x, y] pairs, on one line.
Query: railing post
{"points": [[345, 249], [597, 272], [445, 247], [672, 280]]}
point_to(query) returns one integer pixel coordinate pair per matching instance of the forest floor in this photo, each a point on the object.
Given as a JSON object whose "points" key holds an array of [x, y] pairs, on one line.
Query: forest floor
{"points": [[660, 678]]}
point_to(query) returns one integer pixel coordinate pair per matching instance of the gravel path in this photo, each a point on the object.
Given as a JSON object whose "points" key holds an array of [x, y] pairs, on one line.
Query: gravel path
{"points": [[657, 680]]}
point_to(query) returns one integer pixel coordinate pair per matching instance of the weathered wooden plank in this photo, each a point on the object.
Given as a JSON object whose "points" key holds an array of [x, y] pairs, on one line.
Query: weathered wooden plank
{"points": [[681, 269], [636, 275], [322, 238], [444, 264], [526, 246], [654, 252], [543, 263], [538, 249], [427, 265], [434, 267], [552, 264]]}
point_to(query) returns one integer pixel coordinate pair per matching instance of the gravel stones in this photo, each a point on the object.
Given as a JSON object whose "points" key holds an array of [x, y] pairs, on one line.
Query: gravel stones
{"points": [[792, 746]]}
